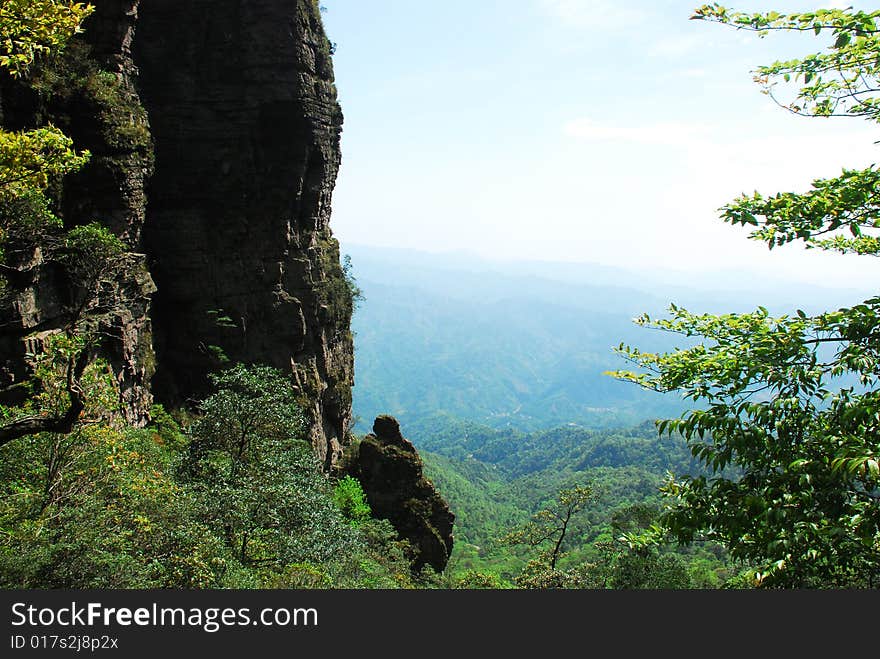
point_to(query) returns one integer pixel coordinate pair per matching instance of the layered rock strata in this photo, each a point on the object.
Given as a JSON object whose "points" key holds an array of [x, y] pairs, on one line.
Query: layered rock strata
{"points": [[247, 127]]}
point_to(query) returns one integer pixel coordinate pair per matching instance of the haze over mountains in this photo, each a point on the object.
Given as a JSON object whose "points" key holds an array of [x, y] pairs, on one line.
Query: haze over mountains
{"points": [[526, 344]]}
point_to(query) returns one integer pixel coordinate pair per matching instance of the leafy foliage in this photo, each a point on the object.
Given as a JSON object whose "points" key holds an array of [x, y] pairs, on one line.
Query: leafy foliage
{"points": [[235, 503], [551, 524], [30, 28], [349, 496], [30, 233], [839, 213], [789, 401], [841, 81], [252, 406], [94, 508], [28, 160], [255, 480], [609, 563]]}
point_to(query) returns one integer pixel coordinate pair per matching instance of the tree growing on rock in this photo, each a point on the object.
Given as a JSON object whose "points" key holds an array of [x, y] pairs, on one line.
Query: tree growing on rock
{"points": [[32, 237]]}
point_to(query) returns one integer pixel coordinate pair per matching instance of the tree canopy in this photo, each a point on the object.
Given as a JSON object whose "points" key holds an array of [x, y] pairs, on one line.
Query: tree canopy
{"points": [[789, 407], [30, 28]]}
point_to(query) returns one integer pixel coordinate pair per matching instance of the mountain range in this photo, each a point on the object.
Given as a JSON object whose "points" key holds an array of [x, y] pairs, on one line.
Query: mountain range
{"points": [[527, 345]]}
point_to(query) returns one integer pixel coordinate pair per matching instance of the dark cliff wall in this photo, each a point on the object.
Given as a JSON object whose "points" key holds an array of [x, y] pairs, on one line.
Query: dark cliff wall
{"points": [[246, 125], [214, 129]]}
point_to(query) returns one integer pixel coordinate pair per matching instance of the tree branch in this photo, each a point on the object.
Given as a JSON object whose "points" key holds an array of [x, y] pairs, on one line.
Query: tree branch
{"points": [[60, 423]]}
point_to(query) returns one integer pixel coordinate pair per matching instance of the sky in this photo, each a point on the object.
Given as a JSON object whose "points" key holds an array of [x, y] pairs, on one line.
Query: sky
{"points": [[575, 130]]}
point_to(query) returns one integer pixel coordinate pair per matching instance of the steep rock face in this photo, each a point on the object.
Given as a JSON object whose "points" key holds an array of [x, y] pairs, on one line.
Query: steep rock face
{"points": [[246, 126], [90, 95], [225, 186], [390, 471]]}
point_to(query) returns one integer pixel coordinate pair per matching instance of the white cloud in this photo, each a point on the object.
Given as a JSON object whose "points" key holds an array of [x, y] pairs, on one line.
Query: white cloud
{"points": [[663, 182], [602, 14], [662, 133], [795, 145], [692, 73], [678, 46]]}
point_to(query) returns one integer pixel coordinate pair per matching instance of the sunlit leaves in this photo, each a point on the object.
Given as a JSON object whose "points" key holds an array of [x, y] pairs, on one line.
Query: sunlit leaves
{"points": [[841, 80], [29, 160], [351, 499], [30, 28], [841, 214], [789, 422]]}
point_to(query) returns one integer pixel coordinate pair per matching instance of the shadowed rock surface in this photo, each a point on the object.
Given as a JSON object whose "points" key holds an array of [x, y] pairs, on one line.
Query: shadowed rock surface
{"points": [[246, 123]]}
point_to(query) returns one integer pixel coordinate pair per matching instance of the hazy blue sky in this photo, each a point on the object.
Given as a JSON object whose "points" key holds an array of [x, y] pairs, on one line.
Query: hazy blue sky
{"points": [[585, 130]]}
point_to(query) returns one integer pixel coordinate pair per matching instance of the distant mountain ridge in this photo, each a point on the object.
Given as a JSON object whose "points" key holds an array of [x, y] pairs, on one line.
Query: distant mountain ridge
{"points": [[510, 346]]}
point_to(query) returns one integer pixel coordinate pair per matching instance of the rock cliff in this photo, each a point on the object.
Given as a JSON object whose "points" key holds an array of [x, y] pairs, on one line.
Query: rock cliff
{"points": [[246, 124], [214, 129]]}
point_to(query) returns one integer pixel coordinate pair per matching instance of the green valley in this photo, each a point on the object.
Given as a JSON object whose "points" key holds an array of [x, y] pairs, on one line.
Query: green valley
{"points": [[495, 480]]}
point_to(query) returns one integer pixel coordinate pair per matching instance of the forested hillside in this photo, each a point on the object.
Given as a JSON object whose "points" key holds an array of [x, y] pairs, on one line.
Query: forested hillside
{"points": [[495, 480]]}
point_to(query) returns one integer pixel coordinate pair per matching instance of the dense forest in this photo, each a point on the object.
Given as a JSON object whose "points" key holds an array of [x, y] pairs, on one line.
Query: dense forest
{"points": [[499, 482], [766, 474], [238, 501]]}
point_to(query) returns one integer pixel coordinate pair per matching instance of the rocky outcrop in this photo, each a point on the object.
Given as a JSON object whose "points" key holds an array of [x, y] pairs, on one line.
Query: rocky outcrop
{"points": [[214, 131], [390, 471], [246, 124]]}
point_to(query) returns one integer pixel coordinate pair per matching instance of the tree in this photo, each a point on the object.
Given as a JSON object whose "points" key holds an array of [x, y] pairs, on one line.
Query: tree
{"points": [[106, 506], [790, 404], [30, 159], [551, 524], [256, 479], [31, 28], [251, 407], [622, 565], [29, 162], [352, 501], [98, 508]]}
